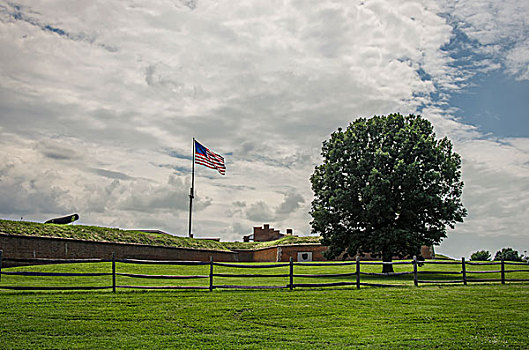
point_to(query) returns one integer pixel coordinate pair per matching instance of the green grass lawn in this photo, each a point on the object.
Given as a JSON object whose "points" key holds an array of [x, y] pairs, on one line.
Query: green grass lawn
{"points": [[475, 316], [481, 316]]}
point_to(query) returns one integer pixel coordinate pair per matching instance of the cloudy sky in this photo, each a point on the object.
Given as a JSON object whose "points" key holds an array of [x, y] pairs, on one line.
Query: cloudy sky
{"points": [[100, 100]]}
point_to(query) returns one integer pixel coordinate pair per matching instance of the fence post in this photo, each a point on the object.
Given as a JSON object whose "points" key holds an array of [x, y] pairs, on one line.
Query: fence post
{"points": [[357, 272], [113, 272], [0, 265], [211, 273], [502, 270], [464, 270], [291, 275], [415, 274]]}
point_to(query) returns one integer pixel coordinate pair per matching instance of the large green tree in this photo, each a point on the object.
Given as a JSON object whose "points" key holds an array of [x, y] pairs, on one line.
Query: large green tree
{"points": [[386, 187]]}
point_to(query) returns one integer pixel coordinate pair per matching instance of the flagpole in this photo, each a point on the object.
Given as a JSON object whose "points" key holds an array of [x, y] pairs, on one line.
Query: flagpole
{"points": [[192, 191]]}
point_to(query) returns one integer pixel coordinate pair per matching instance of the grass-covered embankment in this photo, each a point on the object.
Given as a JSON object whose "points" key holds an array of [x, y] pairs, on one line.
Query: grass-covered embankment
{"points": [[287, 240], [106, 234]]}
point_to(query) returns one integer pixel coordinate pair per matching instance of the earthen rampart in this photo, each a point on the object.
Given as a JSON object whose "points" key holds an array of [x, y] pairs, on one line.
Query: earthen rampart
{"points": [[23, 247], [19, 246]]}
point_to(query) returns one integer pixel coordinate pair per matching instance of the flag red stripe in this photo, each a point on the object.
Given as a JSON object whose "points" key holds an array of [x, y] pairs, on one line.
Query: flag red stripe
{"points": [[210, 160]]}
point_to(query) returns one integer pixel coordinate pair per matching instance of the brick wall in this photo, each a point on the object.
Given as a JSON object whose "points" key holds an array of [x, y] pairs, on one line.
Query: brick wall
{"points": [[244, 255], [14, 246], [288, 251], [265, 254], [317, 250], [59, 248]]}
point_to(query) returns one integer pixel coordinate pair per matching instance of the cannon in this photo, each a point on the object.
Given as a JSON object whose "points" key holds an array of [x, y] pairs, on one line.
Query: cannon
{"points": [[63, 220]]}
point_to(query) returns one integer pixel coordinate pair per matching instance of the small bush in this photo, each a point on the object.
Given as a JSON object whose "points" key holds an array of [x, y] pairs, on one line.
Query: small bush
{"points": [[480, 255], [508, 254]]}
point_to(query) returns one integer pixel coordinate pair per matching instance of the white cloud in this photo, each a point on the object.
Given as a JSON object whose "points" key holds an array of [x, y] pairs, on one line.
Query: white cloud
{"points": [[99, 102], [259, 212], [499, 29], [290, 203]]}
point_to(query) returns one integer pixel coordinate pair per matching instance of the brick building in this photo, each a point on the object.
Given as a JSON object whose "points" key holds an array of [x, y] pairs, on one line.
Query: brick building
{"points": [[265, 234], [299, 252]]}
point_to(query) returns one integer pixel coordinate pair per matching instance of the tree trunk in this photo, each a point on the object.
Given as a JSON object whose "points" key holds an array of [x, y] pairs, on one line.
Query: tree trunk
{"points": [[387, 257]]}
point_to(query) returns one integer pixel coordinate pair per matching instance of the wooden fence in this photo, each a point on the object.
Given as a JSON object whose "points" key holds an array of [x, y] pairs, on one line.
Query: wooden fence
{"points": [[352, 278]]}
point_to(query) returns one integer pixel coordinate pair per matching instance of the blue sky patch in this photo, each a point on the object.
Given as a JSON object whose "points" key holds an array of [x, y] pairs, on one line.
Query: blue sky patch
{"points": [[495, 103]]}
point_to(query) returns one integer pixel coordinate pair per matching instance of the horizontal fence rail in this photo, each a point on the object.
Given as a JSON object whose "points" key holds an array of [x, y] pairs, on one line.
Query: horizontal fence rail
{"points": [[228, 286], [329, 284], [325, 263], [55, 288], [55, 274], [248, 275], [42, 261], [248, 266], [161, 262], [385, 262], [174, 277], [325, 275], [350, 277], [386, 274], [162, 287]]}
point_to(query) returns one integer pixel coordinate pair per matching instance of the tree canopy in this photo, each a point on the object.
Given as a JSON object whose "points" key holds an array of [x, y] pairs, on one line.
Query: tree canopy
{"points": [[508, 254], [386, 187], [480, 255]]}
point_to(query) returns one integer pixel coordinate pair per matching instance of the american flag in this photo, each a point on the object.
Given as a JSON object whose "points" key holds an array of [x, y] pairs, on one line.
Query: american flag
{"points": [[204, 156]]}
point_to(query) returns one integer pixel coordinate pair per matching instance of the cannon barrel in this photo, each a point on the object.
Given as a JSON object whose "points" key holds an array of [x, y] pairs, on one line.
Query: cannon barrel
{"points": [[63, 220]]}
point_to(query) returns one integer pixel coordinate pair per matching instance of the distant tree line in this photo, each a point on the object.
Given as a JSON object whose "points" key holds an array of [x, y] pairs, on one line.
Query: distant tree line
{"points": [[508, 254]]}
